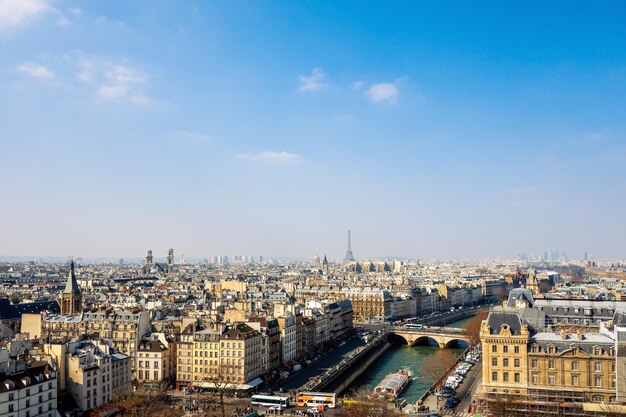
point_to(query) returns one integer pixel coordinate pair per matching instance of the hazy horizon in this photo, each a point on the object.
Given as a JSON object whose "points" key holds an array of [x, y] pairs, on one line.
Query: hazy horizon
{"points": [[431, 130]]}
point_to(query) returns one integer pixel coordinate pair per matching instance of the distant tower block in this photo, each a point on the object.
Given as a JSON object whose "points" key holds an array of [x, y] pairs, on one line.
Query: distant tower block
{"points": [[170, 260], [316, 259], [149, 257], [349, 256]]}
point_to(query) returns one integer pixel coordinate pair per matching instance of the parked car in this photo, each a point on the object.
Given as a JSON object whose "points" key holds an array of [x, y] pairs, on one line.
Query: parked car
{"points": [[451, 402]]}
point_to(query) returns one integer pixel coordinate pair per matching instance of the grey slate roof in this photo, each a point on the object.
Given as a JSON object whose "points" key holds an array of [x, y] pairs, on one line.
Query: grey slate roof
{"points": [[499, 316]]}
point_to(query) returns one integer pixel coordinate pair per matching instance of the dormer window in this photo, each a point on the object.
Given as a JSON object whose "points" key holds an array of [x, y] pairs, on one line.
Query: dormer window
{"points": [[9, 384]]}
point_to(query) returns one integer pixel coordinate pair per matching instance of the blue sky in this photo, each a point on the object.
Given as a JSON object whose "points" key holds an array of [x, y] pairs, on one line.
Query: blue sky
{"points": [[432, 130]]}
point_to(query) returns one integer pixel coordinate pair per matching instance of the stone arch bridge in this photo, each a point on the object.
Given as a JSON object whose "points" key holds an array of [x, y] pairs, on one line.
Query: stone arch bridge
{"points": [[444, 337]]}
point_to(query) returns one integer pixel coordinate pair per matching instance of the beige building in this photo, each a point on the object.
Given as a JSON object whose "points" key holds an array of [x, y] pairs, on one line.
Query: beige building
{"points": [[156, 360], [124, 328], [224, 354], [575, 368]]}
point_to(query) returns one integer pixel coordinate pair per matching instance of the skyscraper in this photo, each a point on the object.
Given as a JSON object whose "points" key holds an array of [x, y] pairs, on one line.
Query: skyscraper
{"points": [[349, 256]]}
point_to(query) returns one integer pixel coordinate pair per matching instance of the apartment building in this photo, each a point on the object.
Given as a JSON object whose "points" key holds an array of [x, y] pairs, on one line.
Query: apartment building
{"points": [[29, 388], [88, 374], [224, 353], [287, 326]]}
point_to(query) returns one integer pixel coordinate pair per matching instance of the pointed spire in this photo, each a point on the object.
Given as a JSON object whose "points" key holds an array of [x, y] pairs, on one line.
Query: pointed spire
{"points": [[71, 287]]}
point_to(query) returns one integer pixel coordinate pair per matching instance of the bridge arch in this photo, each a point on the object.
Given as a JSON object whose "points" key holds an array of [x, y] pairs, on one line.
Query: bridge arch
{"points": [[399, 339], [457, 343], [425, 341]]}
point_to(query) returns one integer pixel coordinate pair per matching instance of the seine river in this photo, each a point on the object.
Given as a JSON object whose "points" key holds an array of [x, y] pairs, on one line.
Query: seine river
{"points": [[403, 357]]}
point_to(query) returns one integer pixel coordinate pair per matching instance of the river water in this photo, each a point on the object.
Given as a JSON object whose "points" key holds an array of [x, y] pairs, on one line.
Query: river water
{"points": [[403, 357]]}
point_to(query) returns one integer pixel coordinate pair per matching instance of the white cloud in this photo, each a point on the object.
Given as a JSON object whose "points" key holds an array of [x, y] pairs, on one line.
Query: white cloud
{"points": [[75, 11], [383, 92], [313, 82], [112, 81], [357, 85], [271, 157], [35, 70], [18, 12]]}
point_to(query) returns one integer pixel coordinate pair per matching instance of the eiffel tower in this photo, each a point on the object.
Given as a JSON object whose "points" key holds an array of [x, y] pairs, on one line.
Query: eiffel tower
{"points": [[349, 256]]}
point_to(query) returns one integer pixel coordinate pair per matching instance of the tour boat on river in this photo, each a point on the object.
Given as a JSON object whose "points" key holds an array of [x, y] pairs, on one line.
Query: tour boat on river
{"points": [[393, 384]]}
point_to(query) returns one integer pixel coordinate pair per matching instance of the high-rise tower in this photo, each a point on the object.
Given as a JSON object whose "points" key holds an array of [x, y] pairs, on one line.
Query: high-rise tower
{"points": [[71, 298], [349, 256]]}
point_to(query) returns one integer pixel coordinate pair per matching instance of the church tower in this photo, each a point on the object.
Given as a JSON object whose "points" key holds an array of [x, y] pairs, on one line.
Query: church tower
{"points": [[531, 282], [71, 298], [170, 260]]}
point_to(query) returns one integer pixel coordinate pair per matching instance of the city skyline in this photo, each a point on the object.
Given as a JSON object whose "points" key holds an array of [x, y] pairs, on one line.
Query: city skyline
{"points": [[447, 131]]}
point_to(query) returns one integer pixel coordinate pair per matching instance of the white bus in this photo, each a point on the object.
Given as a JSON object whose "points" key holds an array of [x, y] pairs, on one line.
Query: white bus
{"points": [[314, 399], [269, 401]]}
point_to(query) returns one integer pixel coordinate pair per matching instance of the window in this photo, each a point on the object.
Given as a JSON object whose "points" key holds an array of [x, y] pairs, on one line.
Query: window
{"points": [[494, 376], [535, 378], [494, 348], [494, 361], [552, 379], [598, 381], [505, 362], [505, 376], [598, 367], [505, 349], [574, 365], [516, 349], [516, 363], [575, 380], [534, 363], [551, 364]]}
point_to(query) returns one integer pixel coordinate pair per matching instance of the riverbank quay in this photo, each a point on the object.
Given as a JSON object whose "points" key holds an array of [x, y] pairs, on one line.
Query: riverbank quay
{"points": [[319, 366], [339, 377], [463, 392]]}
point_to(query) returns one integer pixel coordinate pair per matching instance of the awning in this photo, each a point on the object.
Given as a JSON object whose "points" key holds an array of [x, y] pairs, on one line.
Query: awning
{"points": [[255, 382], [243, 387]]}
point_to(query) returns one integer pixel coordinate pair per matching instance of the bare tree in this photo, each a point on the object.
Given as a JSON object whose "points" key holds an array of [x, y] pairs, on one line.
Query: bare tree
{"points": [[437, 367], [222, 381], [364, 403], [471, 329], [142, 406]]}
